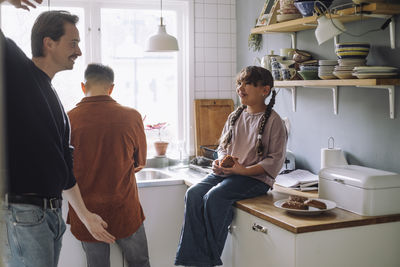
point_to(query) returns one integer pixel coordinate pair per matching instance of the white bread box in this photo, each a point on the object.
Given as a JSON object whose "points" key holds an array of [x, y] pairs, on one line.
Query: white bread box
{"points": [[365, 191]]}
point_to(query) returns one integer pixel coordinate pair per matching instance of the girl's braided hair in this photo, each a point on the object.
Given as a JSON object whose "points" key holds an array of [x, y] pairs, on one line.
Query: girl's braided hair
{"points": [[256, 76]]}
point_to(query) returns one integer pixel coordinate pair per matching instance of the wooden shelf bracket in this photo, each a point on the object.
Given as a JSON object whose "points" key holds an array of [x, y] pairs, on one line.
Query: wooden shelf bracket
{"points": [[293, 37], [392, 33]]}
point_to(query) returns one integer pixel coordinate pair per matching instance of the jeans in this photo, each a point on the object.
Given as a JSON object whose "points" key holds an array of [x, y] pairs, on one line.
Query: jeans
{"points": [[31, 236], [208, 213], [134, 248]]}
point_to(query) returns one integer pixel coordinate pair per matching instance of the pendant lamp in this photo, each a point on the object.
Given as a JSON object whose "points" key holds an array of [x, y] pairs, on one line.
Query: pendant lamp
{"points": [[162, 41]]}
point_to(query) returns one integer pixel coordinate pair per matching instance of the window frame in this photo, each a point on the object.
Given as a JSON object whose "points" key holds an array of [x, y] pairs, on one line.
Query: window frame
{"points": [[185, 55]]}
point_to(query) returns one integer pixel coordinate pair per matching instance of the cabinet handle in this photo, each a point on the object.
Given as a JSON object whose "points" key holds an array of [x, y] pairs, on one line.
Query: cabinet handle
{"points": [[259, 228], [339, 180]]}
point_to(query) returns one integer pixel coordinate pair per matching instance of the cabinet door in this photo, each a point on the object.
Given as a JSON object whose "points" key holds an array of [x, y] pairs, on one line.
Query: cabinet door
{"points": [[270, 247], [72, 253], [366, 246], [116, 258], [163, 207]]}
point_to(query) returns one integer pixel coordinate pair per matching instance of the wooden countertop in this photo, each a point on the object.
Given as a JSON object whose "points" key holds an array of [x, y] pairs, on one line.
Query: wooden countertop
{"points": [[263, 208]]}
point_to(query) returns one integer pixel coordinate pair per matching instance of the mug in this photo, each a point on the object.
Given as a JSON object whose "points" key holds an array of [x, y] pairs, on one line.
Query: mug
{"points": [[276, 74], [275, 64], [288, 73], [287, 52]]}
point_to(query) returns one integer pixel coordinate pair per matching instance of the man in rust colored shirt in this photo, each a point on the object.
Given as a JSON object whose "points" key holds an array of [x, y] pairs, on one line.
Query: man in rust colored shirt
{"points": [[110, 146]]}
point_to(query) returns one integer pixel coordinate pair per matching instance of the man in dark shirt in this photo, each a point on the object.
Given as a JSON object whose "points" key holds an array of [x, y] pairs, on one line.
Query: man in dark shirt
{"points": [[38, 154]]}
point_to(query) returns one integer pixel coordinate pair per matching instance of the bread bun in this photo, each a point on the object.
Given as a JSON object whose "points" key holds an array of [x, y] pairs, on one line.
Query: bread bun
{"points": [[294, 205], [297, 198], [227, 162], [316, 204]]}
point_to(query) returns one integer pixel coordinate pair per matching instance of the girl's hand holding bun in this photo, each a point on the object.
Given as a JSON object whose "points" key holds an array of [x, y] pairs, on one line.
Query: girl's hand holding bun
{"points": [[216, 168]]}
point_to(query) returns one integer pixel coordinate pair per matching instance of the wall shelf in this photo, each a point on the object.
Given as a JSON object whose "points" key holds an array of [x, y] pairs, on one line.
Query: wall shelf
{"points": [[388, 84], [356, 13], [344, 15]]}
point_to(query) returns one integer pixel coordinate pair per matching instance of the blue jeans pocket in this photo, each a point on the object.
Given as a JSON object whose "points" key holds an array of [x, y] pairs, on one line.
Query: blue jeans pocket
{"points": [[27, 216]]}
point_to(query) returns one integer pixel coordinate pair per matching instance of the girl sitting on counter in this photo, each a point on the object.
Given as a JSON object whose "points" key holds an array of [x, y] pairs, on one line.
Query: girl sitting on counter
{"points": [[255, 136]]}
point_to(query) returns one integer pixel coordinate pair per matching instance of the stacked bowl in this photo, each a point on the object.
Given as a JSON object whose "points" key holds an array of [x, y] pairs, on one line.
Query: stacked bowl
{"points": [[287, 11], [326, 68], [352, 50], [345, 68], [350, 55], [306, 8]]}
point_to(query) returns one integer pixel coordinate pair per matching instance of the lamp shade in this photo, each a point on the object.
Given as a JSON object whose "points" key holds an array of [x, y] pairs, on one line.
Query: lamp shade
{"points": [[161, 42], [326, 30]]}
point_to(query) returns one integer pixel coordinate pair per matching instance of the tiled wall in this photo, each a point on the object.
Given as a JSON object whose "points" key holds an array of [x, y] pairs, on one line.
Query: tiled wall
{"points": [[215, 48]]}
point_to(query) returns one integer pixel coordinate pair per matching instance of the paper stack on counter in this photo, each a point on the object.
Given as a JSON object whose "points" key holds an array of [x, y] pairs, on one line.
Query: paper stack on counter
{"points": [[298, 179]]}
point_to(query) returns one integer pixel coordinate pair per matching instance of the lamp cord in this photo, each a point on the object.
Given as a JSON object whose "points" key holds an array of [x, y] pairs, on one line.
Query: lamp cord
{"points": [[384, 25], [161, 12]]}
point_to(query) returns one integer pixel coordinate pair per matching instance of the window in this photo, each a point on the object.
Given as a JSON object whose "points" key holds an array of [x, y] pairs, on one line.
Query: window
{"points": [[114, 34], [17, 25], [146, 81]]}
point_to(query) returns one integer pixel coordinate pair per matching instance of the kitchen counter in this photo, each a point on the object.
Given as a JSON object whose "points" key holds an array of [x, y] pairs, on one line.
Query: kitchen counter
{"points": [[263, 206], [262, 233]]}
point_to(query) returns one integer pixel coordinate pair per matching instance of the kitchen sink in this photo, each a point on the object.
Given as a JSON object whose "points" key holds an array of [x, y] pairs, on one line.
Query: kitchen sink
{"points": [[151, 174]]}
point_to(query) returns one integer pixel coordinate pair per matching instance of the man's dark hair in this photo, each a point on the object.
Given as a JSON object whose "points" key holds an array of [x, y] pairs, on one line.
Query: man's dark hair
{"points": [[49, 24], [96, 72]]}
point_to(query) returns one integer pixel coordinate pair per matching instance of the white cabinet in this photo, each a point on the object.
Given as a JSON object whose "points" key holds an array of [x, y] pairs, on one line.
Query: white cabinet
{"points": [[72, 253], [367, 246], [163, 207], [247, 247]]}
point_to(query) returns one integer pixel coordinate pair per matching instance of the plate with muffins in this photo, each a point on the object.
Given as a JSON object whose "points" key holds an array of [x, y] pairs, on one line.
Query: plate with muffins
{"points": [[305, 206]]}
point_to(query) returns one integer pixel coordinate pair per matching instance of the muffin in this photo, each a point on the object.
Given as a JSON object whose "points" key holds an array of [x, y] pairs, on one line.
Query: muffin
{"points": [[227, 162]]}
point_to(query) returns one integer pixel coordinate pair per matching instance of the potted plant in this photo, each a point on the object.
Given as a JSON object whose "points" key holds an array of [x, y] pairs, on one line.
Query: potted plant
{"points": [[160, 146]]}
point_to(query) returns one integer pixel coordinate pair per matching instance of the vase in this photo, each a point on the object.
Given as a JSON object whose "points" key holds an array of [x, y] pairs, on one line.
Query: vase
{"points": [[161, 147]]}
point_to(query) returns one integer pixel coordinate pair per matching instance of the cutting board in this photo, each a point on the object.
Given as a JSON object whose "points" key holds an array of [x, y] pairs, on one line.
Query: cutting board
{"points": [[210, 118]]}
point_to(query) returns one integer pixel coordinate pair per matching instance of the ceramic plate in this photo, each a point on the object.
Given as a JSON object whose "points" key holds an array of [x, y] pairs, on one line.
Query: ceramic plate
{"points": [[327, 77], [286, 17], [374, 75], [311, 210], [328, 62], [375, 69], [344, 75]]}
